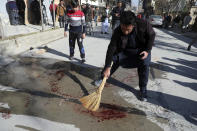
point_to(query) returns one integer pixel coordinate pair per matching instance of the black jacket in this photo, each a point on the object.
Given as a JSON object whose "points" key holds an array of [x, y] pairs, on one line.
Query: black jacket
{"points": [[116, 10], [145, 37]]}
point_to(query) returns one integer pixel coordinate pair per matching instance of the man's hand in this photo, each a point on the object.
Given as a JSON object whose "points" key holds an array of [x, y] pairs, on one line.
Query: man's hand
{"points": [[65, 34], [107, 72], [144, 55], [117, 14], [83, 36]]}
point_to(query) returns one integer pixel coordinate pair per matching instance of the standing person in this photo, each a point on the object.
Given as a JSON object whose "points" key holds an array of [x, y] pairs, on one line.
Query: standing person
{"points": [[35, 8], [186, 21], [61, 13], [96, 14], [12, 10], [88, 18], [168, 19], [116, 13], [76, 20], [21, 7], [176, 21], [53, 10], [130, 46], [105, 20]]}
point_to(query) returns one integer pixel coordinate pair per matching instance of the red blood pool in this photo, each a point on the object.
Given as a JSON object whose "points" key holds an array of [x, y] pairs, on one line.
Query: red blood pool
{"points": [[54, 89], [60, 74]]}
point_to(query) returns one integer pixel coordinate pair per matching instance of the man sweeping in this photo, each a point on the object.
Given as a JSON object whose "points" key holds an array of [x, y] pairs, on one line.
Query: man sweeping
{"points": [[130, 47], [76, 20]]}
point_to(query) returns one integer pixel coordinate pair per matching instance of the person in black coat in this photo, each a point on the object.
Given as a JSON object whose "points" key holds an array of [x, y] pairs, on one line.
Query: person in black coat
{"points": [[130, 47], [35, 9], [21, 8], [116, 13]]}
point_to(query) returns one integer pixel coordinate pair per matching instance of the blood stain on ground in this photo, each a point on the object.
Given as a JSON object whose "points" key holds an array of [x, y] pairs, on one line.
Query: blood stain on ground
{"points": [[60, 74], [54, 89], [113, 113]]}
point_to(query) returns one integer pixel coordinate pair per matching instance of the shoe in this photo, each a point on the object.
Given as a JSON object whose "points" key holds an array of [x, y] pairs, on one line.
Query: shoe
{"points": [[143, 96], [101, 32], [189, 48], [98, 82], [71, 58], [83, 60], [106, 33]]}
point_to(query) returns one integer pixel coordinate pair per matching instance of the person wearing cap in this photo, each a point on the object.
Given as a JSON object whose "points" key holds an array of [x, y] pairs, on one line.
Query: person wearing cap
{"points": [[76, 21], [12, 10], [130, 47], [116, 13]]}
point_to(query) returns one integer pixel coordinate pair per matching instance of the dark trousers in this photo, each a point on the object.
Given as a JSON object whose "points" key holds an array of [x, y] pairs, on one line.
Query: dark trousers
{"points": [[72, 38], [14, 17], [53, 17], [134, 61], [61, 21]]}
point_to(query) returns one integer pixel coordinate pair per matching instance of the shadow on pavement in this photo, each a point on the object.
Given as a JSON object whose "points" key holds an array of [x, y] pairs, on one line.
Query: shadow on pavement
{"points": [[176, 35], [178, 48]]}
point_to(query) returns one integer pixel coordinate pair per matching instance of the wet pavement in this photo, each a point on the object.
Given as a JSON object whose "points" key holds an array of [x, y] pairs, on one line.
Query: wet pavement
{"points": [[49, 89]]}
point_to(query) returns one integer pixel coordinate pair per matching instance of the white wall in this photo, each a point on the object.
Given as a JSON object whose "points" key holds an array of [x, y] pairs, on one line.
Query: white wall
{"points": [[3, 11]]}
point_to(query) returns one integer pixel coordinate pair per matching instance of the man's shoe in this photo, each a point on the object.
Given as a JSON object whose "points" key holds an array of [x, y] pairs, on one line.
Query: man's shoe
{"points": [[98, 82], [83, 60], [71, 58], [143, 96], [106, 33]]}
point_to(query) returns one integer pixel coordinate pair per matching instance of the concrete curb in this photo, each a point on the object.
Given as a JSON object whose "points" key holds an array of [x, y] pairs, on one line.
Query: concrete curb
{"points": [[19, 44]]}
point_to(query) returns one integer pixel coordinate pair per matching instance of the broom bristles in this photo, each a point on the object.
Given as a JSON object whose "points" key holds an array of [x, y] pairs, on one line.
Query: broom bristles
{"points": [[92, 101]]}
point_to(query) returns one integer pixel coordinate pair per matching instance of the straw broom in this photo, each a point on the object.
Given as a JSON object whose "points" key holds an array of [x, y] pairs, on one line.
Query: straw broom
{"points": [[92, 101]]}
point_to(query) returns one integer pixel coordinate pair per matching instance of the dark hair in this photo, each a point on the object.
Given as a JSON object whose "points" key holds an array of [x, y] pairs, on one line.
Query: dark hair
{"points": [[74, 3], [119, 1], [128, 18]]}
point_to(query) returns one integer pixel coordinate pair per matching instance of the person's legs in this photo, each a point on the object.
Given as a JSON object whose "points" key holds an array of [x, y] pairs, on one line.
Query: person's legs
{"points": [[106, 26], [80, 45], [12, 18], [63, 21], [102, 28], [192, 42], [95, 20], [143, 73], [72, 39], [52, 17]]}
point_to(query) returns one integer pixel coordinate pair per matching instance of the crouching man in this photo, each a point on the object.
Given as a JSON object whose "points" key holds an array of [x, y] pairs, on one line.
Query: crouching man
{"points": [[130, 47]]}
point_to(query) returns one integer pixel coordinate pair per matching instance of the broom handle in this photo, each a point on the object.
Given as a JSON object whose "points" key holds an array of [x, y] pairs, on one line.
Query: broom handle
{"points": [[100, 89]]}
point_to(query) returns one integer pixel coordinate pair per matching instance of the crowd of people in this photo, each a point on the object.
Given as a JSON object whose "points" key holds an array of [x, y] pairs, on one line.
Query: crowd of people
{"points": [[178, 21]]}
